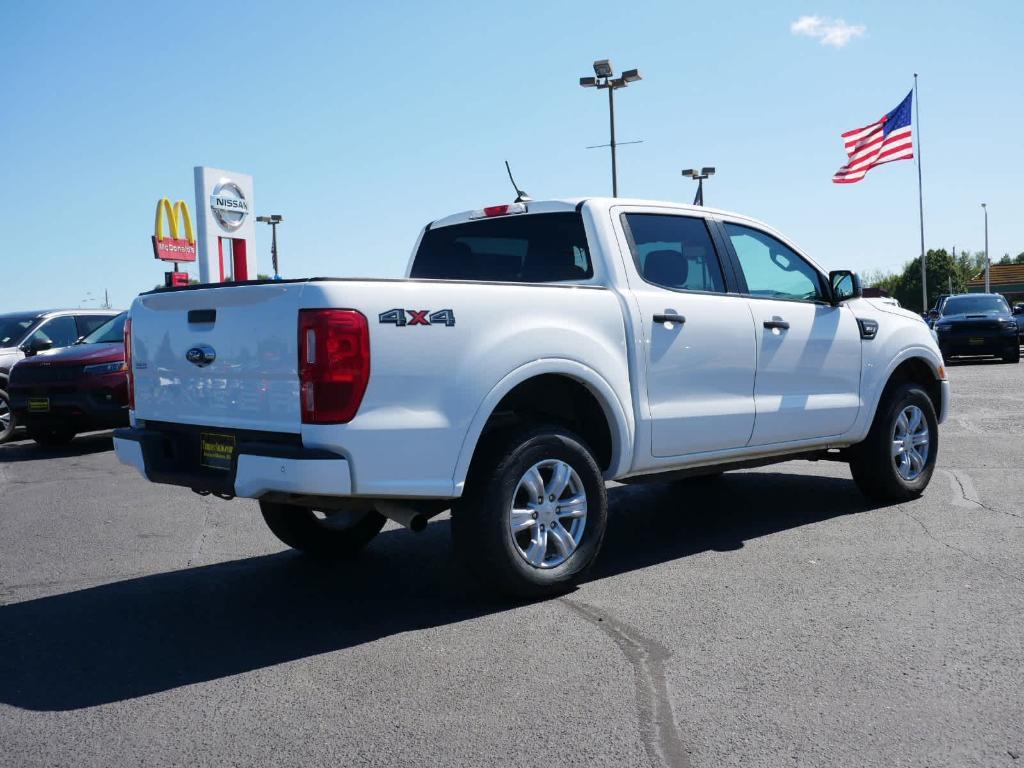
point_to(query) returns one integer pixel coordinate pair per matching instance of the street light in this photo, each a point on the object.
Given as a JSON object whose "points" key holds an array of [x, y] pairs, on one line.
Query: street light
{"points": [[699, 177], [273, 220], [605, 79], [988, 285]]}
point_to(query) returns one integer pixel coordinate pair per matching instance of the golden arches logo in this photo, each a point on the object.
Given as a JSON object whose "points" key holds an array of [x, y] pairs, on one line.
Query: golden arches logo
{"points": [[181, 245]]}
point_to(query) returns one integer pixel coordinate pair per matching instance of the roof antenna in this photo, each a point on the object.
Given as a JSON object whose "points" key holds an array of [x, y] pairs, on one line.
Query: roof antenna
{"points": [[521, 197]]}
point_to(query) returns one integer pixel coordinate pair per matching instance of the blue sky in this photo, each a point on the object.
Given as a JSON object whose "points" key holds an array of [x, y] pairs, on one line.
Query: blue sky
{"points": [[362, 121]]}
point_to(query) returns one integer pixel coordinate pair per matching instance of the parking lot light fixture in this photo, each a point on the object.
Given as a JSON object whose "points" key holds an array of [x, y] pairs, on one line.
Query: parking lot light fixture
{"points": [[988, 283], [606, 80], [273, 220], [699, 176]]}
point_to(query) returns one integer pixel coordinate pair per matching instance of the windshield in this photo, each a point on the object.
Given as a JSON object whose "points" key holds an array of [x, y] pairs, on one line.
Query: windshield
{"points": [[13, 328], [974, 305], [110, 331]]}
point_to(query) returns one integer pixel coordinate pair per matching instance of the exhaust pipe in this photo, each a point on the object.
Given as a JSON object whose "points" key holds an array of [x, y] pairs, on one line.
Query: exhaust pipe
{"points": [[406, 516]]}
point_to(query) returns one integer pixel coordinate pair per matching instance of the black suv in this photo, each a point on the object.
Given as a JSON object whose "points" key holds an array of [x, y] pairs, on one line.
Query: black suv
{"points": [[977, 324], [24, 334]]}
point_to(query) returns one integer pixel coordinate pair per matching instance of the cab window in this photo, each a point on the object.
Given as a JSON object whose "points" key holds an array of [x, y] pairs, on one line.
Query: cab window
{"points": [[772, 269], [674, 252]]}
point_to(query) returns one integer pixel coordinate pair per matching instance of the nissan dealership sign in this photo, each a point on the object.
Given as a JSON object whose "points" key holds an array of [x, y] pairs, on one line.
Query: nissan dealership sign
{"points": [[229, 205], [224, 206]]}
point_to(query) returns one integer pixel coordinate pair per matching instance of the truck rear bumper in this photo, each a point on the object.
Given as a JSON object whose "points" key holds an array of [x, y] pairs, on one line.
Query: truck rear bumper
{"points": [[257, 468]]}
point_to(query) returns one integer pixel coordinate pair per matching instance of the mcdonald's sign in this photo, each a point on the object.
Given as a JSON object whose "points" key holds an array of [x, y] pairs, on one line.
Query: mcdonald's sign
{"points": [[181, 245]]}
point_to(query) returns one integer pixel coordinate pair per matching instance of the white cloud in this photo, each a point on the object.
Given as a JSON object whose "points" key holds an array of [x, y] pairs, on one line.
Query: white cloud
{"points": [[834, 32]]}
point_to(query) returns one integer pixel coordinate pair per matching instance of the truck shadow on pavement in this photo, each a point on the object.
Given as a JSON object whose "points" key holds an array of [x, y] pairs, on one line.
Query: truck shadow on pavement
{"points": [[145, 635], [23, 448]]}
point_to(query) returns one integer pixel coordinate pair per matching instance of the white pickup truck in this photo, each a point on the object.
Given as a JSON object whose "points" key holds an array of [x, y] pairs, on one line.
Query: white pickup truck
{"points": [[532, 352]]}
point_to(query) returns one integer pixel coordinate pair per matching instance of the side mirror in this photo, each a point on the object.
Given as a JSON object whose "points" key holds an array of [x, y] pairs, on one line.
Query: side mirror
{"points": [[845, 285], [1018, 309], [933, 314], [35, 346]]}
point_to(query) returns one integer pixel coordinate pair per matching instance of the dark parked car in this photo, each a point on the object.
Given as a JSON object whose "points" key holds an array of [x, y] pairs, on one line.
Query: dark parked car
{"points": [[1018, 315], [936, 311], [977, 324], [56, 395], [23, 334]]}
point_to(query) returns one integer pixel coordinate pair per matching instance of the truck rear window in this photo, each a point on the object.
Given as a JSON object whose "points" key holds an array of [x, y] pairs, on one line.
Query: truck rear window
{"points": [[529, 248]]}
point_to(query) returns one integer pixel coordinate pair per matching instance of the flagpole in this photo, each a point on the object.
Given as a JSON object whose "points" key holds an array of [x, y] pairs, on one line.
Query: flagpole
{"points": [[920, 198]]}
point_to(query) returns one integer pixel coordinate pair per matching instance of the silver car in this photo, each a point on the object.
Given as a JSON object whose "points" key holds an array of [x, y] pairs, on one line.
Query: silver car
{"points": [[24, 334]]}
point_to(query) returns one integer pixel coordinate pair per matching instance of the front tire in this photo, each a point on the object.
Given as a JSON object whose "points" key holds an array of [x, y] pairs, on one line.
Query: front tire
{"points": [[1012, 355], [325, 534], [895, 461], [534, 513], [6, 417]]}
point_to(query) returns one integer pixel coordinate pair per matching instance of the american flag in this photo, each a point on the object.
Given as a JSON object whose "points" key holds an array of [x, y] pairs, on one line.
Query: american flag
{"points": [[881, 142]]}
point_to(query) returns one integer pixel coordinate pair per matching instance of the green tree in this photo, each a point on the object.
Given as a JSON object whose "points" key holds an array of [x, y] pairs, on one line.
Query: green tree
{"points": [[943, 270], [887, 281], [969, 265]]}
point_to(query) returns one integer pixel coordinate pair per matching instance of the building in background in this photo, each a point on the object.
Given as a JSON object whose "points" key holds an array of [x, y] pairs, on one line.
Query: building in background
{"points": [[1007, 279], [226, 225]]}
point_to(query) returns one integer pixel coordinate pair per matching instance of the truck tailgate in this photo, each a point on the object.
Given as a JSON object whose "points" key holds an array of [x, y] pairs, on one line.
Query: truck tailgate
{"points": [[219, 357]]}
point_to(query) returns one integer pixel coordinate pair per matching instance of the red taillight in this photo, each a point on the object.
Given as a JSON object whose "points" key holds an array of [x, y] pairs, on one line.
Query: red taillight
{"points": [[334, 364], [128, 362]]}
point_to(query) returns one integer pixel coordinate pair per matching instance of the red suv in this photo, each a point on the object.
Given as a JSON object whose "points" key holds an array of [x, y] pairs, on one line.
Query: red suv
{"points": [[76, 389]]}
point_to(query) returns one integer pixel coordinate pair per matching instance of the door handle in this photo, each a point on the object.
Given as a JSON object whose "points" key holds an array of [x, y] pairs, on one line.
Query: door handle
{"points": [[671, 317], [782, 325]]}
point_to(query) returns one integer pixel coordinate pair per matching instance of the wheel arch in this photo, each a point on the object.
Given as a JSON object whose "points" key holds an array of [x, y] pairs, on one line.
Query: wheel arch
{"points": [[918, 367], [611, 436]]}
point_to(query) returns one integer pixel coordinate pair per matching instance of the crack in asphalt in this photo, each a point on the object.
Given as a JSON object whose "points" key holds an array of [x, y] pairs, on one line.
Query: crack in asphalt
{"points": [[965, 553], [197, 546], [974, 498], [661, 738]]}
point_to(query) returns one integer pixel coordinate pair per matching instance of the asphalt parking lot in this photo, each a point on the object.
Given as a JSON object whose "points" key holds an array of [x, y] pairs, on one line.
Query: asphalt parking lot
{"points": [[769, 618]]}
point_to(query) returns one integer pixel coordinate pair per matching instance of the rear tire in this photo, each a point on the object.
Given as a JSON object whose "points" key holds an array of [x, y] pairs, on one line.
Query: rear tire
{"points": [[6, 417], [334, 535], [895, 461], [534, 513]]}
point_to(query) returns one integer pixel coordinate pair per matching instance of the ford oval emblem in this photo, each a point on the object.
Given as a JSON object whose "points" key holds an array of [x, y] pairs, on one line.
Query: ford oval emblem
{"points": [[201, 355]]}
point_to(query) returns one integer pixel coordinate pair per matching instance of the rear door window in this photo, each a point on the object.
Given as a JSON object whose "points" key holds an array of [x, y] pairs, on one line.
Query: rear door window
{"points": [[674, 252], [526, 248]]}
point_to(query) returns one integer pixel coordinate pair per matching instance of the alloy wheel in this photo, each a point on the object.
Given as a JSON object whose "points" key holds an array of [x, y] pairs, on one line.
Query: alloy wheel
{"points": [[911, 443], [548, 513]]}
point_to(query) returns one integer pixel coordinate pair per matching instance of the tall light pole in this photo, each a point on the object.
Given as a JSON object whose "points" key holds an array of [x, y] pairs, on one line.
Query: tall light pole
{"points": [[699, 176], [605, 79], [273, 220], [988, 284]]}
